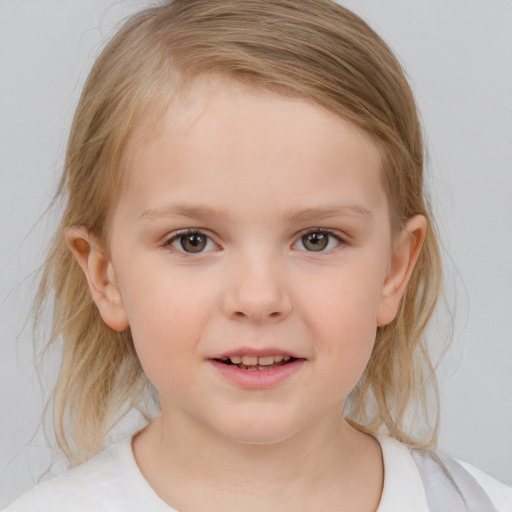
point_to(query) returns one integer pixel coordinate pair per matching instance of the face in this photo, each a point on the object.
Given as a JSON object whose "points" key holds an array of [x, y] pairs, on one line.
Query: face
{"points": [[252, 253]]}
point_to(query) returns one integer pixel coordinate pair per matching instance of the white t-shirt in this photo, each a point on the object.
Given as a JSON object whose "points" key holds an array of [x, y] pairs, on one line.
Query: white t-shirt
{"points": [[113, 482]]}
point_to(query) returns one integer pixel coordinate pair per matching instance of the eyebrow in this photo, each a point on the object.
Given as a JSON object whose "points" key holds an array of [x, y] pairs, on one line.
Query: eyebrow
{"points": [[198, 212], [328, 211], [204, 212]]}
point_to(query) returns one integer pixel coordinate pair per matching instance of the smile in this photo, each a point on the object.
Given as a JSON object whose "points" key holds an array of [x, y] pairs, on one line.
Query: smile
{"points": [[257, 369], [248, 362]]}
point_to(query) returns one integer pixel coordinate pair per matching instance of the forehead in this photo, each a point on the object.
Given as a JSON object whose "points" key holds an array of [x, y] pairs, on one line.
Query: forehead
{"points": [[186, 102], [224, 139]]}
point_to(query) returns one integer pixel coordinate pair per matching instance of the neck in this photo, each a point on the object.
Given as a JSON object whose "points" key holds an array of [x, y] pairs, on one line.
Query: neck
{"points": [[329, 461]]}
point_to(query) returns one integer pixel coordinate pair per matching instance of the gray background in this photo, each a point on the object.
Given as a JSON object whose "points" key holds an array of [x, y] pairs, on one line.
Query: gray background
{"points": [[458, 56]]}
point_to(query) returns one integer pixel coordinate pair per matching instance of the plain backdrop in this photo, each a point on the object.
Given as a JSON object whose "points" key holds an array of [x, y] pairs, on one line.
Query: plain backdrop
{"points": [[458, 56]]}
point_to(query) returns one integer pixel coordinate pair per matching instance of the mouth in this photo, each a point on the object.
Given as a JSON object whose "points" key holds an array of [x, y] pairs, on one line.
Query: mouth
{"points": [[257, 369], [250, 362]]}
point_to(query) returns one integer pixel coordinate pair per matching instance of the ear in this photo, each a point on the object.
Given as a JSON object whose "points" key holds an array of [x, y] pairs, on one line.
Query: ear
{"points": [[406, 251], [100, 275]]}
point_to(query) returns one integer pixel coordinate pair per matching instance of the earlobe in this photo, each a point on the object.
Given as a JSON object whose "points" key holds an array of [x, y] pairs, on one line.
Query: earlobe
{"points": [[100, 275], [406, 251]]}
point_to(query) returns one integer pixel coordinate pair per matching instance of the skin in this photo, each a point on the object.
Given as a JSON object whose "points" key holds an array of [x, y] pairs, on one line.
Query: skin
{"points": [[253, 171]]}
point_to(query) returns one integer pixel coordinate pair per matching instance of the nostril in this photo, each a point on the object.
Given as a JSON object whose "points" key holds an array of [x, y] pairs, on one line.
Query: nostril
{"points": [[272, 316]]}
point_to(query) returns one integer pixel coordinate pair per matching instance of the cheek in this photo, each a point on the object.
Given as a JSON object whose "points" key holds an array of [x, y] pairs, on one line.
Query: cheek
{"points": [[344, 302], [163, 297], [341, 317], [167, 315]]}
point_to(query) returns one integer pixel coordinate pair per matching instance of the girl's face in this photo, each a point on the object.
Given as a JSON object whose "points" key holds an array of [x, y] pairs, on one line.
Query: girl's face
{"points": [[252, 253]]}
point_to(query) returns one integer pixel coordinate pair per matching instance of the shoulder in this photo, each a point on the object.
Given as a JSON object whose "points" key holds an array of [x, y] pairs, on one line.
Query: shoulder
{"points": [[109, 482], [435, 482], [92, 486], [499, 493]]}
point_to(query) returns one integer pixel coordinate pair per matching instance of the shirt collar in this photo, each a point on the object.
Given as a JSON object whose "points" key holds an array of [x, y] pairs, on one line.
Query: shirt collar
{"points": [[403, 488]]}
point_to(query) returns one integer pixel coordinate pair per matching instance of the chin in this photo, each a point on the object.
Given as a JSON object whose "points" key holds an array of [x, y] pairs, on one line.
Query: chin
{"points": [[257, 431]]}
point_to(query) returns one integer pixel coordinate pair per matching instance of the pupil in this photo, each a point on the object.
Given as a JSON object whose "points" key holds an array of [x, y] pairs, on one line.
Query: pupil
{"points": [[315, 241], [194, 242]]}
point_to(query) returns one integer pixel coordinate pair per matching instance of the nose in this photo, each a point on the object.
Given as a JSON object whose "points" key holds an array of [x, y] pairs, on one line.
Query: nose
{"points": [[256, 292]]}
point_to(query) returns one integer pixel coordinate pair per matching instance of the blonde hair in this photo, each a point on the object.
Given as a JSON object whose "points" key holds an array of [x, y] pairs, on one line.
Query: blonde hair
{"points": [[310, 49]]}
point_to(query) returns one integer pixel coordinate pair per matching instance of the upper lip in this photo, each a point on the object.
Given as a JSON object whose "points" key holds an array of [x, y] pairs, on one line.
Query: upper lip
{"points": [[258, 352]]}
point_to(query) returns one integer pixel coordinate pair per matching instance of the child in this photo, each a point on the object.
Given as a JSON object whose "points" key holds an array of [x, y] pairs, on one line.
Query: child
{"points": [[245, 201]]}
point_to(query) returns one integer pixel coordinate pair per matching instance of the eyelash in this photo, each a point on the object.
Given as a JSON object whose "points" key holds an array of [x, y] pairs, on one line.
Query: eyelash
{"points": [[328, 232], [179, 235]]}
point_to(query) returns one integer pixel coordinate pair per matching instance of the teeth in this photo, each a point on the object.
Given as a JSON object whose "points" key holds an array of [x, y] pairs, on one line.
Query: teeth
{"points": [[254, 362], [249, 360]]}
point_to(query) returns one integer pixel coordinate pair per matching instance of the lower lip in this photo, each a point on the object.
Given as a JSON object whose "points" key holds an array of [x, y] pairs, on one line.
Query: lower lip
{"points": [[258, 379]]}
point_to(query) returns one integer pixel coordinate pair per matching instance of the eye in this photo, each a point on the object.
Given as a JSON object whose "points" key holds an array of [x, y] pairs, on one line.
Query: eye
{"points": [[318, 241], [191, 242]]}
